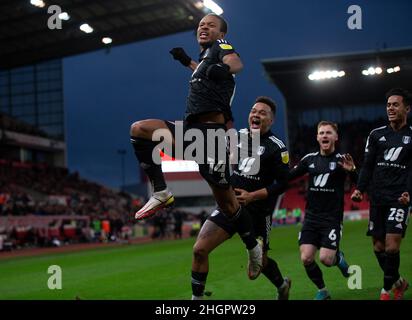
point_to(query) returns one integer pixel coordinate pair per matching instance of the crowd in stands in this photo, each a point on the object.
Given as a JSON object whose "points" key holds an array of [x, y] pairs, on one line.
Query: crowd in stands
{"points": [[15, 125], [32, 194], [42, 190]]}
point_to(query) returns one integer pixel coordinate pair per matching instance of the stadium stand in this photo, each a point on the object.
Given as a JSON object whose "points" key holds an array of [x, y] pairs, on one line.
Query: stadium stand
{"points": [[42, 205], [40, 190], [41, 202]]}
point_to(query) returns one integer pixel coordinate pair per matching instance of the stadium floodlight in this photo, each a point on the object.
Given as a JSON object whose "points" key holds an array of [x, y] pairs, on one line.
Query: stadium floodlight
{"points": [[210, 4], [107, 40], [326, 74], [371, 71], [64, 16], [38, 3], [86, 28], [394, 69]]}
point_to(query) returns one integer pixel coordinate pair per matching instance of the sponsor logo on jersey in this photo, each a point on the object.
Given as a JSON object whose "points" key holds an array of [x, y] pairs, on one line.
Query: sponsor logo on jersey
{"points": [[320, 180], [260, 150], [392, 154], [399, 226], [246, 164], [285, 157], [406, 139], [312, 166], [332, 165], [382, 139]]}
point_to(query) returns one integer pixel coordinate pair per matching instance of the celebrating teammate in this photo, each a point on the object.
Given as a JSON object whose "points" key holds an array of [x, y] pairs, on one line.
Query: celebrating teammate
{"points": [[387, 163], [322, 226], [257, 192], [208, 109]]}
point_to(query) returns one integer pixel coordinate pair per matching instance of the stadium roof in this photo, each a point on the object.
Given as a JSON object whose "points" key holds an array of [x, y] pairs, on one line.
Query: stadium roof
{"points": [[26, 39], [290, 75]]}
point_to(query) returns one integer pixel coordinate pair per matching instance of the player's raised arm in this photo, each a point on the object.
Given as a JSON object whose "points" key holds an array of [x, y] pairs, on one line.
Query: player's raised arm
{"points": [[234, 63], [348, 164], [229, 61], [180, 55], [299, 170]]}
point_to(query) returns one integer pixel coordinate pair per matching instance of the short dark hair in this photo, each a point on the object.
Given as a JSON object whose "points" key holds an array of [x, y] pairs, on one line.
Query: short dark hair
{"points": [[223, 22], [268, 101], [405, 94], [328, 123]]}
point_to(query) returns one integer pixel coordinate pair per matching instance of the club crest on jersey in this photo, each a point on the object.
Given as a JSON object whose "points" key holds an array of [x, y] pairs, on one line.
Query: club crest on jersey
{"points": [[285, 157], [260, 150], [332, 165], [406, 139]]}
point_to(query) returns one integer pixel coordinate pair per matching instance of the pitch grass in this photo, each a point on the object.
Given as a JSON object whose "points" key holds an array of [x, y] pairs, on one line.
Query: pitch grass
{"points": [[162, 271]]}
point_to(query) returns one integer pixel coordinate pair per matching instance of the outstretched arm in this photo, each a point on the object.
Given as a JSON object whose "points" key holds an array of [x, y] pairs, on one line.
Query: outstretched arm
{"points": [[234, 62], [193, 65], [245, 197], [348, 165], [280, 175], [180, 55], [299, 170]]}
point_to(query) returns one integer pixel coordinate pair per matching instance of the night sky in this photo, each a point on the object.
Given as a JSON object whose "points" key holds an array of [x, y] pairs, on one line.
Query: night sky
{"points": [[107, 91]]}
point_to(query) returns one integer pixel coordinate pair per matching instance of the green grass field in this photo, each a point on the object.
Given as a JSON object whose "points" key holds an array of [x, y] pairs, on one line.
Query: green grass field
{"points": [[162, 271]]}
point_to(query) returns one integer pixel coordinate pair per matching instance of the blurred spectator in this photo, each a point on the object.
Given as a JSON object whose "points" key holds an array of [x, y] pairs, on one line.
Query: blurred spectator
{"points": [[297, 214], [178, 224]]}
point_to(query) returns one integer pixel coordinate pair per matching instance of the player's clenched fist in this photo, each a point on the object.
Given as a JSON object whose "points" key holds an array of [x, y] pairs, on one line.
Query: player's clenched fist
{"points": [[180, 55]]}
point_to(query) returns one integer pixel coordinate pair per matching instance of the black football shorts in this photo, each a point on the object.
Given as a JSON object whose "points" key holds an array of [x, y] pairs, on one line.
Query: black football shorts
{"points": [[208, 147]]}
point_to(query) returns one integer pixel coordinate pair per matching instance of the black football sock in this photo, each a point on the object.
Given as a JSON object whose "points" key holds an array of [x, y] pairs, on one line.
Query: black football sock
{"points": [[315, 274], [272, 272], [198, 283], [243, 224], [391, 274], [381, 257], [143, 150]]}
